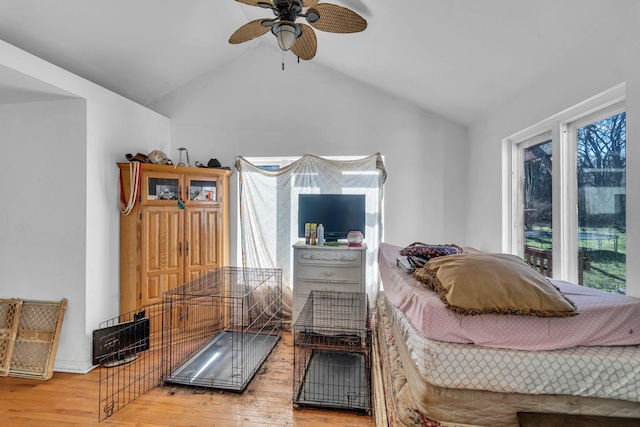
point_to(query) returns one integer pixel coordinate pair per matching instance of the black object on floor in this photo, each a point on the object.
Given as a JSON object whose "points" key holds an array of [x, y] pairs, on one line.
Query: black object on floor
{"points": [[533, 419]]}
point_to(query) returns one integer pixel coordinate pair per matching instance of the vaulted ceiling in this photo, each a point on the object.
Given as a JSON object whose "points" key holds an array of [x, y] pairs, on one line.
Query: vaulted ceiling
{"points": [[452, 57]]}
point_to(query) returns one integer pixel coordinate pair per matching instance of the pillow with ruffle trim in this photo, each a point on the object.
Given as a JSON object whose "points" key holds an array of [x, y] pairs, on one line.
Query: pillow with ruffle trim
{"points": [[473, 284]]}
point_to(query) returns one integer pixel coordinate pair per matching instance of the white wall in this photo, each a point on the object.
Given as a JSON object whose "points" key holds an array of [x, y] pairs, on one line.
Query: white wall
{"points": [[116, 126], [77, 233], [251, 107], [616, 59], [43, 221]]}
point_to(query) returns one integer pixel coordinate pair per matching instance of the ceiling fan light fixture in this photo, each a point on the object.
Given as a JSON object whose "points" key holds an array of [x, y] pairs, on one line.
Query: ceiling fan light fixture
{"points": [[286, 33], [300, 38], [312, 16]]}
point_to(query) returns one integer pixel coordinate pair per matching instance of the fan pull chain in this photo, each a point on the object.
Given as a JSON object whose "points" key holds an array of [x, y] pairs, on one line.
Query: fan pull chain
{"points": [[283, 60]]}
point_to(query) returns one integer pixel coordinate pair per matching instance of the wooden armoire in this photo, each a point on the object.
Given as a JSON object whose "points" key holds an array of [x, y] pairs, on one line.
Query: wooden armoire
{"points": [[177, 230]]}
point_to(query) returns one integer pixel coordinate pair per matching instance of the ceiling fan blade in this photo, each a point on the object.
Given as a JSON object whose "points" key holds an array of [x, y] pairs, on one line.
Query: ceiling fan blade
{"points": [[309, 3], [335, 19], [249, 31], [306, 45], [267, 4]]}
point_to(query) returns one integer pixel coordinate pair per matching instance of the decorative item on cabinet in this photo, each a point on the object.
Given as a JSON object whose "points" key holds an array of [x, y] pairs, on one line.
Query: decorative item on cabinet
{"points": [[355, 238], [159, 158], [178, 229], [181, 149]]}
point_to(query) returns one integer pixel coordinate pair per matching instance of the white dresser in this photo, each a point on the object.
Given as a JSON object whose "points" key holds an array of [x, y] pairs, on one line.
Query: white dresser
{"points": [[327, 268]]}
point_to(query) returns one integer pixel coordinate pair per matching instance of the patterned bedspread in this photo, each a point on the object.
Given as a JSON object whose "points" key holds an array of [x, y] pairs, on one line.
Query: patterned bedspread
{"points": [[604, 319]]}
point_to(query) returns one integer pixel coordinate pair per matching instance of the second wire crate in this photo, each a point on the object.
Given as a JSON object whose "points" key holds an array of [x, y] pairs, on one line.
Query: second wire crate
{"points": [[332, 352]]}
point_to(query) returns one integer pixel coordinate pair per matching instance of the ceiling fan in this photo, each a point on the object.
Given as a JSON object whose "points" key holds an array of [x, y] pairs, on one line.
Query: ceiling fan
{"points": [[297, 37]]}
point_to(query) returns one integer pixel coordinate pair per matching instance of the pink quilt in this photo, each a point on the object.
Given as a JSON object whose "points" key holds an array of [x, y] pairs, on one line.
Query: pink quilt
{"points": [[604, 319]]}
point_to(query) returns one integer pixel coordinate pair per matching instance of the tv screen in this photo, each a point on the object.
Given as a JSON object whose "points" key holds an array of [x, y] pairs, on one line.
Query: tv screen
{"points": [[338, 213]]}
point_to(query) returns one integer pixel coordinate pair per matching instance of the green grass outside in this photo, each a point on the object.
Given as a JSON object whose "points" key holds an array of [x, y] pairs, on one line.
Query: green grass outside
{"points": [[607, 268]]}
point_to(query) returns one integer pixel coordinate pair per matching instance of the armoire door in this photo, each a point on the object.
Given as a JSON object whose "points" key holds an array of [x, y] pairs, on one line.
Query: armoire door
{"points": [[202, 245], [162, 252]]}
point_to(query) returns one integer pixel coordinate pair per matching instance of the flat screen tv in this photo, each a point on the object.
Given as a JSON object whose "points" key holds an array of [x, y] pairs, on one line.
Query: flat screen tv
{"points": [[120, 343], [338, 213]]}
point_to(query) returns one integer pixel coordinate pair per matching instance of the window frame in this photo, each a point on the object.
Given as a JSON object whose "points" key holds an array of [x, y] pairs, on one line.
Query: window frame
{"points": [[562, 131], [282, 162], [518, 185]]}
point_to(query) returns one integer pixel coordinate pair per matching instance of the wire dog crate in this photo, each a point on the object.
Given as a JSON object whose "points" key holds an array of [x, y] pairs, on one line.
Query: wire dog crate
{"points": [[214, 332], [332, 352], [222, 326], [129, 350]]}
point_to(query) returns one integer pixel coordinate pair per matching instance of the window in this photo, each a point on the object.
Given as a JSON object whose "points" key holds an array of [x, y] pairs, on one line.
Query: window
{"points": [[268, 206], [537, 202], [601, 179], [351, 184], [566, 194]]}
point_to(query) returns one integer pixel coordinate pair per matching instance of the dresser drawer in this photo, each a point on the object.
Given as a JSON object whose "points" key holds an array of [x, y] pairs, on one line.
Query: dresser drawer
{"points": [[328, 257], [330, 273], [305, 287]]}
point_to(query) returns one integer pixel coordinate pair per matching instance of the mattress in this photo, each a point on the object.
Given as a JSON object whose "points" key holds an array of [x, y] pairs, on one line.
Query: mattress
{"points": [[411, 400], [400, 408], [604, 372], [604, 319]]}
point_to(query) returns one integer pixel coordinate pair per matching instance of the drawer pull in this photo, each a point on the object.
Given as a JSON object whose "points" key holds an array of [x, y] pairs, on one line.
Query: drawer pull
{"points": [[328, 273]]}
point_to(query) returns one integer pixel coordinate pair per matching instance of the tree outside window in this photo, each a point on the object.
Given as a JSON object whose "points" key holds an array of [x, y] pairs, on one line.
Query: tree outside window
{"points": [[601, 178]]}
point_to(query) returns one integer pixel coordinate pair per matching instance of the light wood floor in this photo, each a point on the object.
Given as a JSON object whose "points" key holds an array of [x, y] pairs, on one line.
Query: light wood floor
{"points": [[72, 400]]}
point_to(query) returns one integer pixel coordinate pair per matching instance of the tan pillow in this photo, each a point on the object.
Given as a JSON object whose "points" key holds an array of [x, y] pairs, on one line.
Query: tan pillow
{"points": [[480, 283]]}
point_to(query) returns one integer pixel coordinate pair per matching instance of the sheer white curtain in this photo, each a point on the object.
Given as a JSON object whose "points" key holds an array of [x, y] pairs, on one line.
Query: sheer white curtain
{"points": [[269, 207]]}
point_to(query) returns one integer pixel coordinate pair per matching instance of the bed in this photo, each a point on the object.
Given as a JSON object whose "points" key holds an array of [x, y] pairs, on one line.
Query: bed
{"points": [[443, 368]]}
